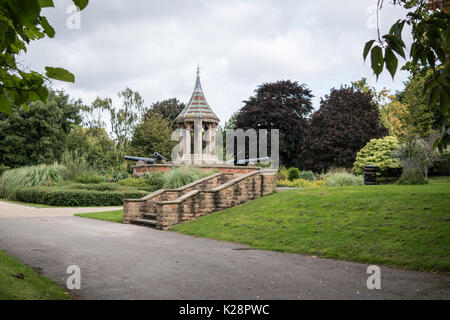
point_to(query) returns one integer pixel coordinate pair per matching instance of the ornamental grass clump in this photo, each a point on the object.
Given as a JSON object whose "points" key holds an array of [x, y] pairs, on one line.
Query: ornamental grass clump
{"points": [[24, 177], [340, 179], [179, 177]]}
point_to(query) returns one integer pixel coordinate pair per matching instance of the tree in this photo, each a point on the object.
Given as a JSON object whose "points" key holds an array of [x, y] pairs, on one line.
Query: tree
{"points": [[282, 105], [378, 152], [430, 50], [20, 23], [94, 144], [153, 134], [346, 120], [124, 119], [169, 109], [38, 135]]}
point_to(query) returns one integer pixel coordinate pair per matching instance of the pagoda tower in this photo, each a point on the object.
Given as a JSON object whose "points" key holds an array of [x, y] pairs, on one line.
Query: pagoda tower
{"points": [[198, 117]]}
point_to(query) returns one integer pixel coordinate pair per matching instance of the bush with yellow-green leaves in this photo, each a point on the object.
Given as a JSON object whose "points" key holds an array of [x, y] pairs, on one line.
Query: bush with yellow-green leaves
{"points": [[377, 152]]}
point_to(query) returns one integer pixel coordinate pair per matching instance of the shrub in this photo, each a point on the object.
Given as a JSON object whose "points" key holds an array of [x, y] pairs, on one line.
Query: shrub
{"points": [[378, 152], [134, 182], [282, 173], [293, 174], [442, 165], [30, 176], [76, 163], [301, 183], [179, 177], [155, 178], [343, 179], [90, 178], [307, 175], [96, 187], [68, 197], [119, 175], [413, 173], [3, 169]]}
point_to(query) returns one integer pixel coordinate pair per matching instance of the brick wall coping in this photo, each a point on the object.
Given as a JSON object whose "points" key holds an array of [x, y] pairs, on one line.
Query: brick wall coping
{"points": [[216, 189], [168, 164], [198, 181], [160, 191], [180, 199], [234, 181]]}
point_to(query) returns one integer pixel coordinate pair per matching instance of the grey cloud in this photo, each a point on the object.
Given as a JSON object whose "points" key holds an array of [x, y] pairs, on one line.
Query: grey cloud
{"points": [[155, 46]]}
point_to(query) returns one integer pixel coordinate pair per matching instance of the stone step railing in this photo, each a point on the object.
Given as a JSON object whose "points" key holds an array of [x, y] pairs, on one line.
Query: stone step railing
{"points": [[202, 197]]}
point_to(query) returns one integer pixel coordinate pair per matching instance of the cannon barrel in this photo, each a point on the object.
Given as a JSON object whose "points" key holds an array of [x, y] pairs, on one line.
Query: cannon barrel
{"points": [[159, 157], [247, 161], [146, 160]]}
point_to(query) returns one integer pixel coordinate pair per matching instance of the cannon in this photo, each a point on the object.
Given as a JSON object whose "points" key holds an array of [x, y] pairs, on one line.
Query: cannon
{"points": [[159, 157], [146, 160], [244, 162]]}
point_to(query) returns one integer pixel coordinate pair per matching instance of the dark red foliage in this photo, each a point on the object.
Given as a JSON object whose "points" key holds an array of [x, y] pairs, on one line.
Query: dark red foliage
{"points": [[282, 105], [346, 121]]}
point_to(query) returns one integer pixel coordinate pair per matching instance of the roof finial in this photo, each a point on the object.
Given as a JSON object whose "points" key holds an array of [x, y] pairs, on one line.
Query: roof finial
{"points": [[198, 70]]}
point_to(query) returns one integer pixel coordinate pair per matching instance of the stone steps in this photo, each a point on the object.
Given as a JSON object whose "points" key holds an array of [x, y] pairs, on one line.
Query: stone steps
{"points": [[165, 208], [145, 222]]}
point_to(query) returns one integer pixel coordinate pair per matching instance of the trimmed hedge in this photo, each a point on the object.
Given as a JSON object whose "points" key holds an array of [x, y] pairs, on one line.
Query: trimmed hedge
{"points": [[75, 198]]}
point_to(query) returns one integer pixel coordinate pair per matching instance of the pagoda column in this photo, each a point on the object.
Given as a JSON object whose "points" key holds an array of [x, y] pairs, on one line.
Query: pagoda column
{"points": [[212, 141], [198, 141], [187, 143]]}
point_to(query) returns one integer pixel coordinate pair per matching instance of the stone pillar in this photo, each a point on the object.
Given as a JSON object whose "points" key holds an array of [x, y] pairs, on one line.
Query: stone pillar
{"points": [[187, 144], [212, 142], [198, 141], [208, 140], [182, 142]]}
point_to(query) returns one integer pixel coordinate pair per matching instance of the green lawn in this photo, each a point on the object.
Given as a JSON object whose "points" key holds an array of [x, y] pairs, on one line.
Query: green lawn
{"points": [[113, 216], [32, 287], [405, 226]]}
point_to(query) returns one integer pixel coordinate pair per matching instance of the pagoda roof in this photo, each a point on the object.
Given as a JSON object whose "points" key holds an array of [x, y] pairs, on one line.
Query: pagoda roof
{"points": [[198, 107]]}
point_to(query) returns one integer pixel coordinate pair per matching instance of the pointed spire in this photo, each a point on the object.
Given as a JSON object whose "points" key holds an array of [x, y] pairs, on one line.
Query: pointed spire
{"points": [[198, 107]]}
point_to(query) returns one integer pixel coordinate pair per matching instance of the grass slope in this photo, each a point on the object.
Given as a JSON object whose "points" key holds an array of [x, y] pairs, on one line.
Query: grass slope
{"points": [[113, 216], [32, 287], [406, 226]]}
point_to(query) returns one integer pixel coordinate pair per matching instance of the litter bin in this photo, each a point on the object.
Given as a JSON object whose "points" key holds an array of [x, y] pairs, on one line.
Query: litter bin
{"points": [[370, 175]]}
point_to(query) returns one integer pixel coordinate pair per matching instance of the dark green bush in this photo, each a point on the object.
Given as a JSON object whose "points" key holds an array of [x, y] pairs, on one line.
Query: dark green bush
{"points": [[119, 175], [293, 173], [3, 169], [75, 198], [154, 178], [90, 178], [134, 182], [96, 186], [442, 165], [307, 175]]}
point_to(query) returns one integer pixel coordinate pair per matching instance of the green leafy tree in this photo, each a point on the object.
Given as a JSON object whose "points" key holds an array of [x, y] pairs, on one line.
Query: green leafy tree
{"points": [[124, 118], [169, 109], [39, 135], [21, 23], [430, 27], [282, 105], [153, 134], [378, 152], [94, 144]]}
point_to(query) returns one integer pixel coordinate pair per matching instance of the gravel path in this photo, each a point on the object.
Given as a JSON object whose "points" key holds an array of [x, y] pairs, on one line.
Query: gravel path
{"points": [[12, 210]]}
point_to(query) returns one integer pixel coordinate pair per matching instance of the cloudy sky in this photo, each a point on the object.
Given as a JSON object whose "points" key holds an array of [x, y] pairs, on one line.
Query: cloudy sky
{"points": [[155, 46]]}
